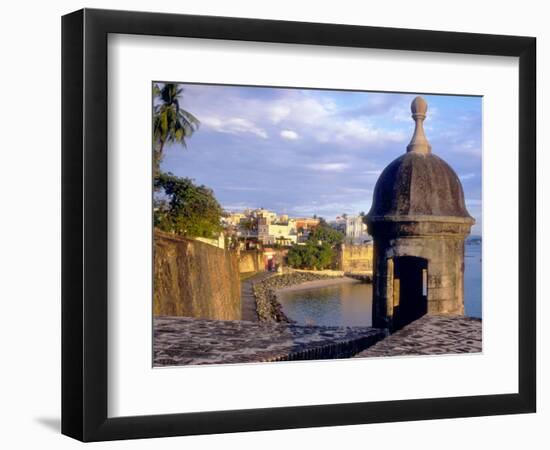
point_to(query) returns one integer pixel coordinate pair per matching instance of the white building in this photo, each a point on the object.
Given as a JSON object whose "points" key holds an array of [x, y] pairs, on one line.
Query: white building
{"points": [[262, 213], [356, 230], [215, 242], [233, 219], [271, 233]]}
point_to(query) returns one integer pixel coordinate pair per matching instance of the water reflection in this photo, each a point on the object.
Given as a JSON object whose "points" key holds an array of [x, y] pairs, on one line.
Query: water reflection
{"points": [[351, 304], [341, 305], [472, 280]]}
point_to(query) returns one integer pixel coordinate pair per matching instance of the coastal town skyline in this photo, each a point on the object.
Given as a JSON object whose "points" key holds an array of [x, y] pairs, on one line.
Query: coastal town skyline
{"points": [[291, 216], [306, 152], [278, 214]]}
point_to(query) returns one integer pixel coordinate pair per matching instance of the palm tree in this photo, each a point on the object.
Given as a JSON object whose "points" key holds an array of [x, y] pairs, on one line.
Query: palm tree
{"points": [[171, 123]]}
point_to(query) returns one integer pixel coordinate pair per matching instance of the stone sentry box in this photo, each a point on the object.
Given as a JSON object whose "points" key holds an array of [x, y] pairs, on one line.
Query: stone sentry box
{"points": [[419, 222]]}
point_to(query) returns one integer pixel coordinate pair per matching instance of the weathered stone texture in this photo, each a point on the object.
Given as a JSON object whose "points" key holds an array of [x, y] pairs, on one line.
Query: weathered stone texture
{"points": [[186, 341], [431, 335], [418, 213], [418, 184], [195, 279], [445, 256], [354, 258], [251, 261]]}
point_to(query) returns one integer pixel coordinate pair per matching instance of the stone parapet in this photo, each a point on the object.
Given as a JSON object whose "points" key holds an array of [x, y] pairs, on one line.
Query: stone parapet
{"points": [[187, 341], [431, 335]]}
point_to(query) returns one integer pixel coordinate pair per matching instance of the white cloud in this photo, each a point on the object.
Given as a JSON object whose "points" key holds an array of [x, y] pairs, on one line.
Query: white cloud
{"points": [[356, 190], [402, 114], [374, 172], [278, 112], [237, 207], [469, 147], [243, 188], [289, 134], [233, 125], [361, 130], [330, 209], [328, 167], [320, 118], [299, 108], [467, 176], [311, 116]]}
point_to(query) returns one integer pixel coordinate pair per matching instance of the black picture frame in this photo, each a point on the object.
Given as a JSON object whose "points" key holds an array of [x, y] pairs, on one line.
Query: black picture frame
{"points": [[84, 224]]}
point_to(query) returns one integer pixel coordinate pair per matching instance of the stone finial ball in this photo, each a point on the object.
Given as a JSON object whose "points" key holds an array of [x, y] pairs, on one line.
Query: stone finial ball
{"points": [[419, 106]]}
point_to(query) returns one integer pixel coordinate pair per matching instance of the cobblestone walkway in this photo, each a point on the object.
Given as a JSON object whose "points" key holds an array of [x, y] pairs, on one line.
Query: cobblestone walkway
{"points": [[188, 341], [248, 300], [431, 335]]}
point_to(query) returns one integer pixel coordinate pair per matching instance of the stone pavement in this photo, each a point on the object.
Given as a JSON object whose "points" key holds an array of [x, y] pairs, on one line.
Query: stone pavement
{"points": [[431, 335], [248, 300], [188, 341]]}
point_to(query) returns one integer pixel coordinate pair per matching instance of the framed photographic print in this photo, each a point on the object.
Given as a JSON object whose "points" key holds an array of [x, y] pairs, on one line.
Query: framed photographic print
{"points": [[273, 224]]}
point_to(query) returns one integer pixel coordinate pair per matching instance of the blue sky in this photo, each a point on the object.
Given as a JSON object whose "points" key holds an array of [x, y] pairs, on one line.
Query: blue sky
{"points": [[302, 152]]}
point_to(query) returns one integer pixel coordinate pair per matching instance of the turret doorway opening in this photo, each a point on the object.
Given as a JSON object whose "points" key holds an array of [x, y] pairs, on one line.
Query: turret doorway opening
{"points": [[410, 290]]}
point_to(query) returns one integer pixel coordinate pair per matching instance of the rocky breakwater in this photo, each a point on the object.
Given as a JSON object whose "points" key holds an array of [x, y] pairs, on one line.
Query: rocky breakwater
{"points": [[267, 306]]}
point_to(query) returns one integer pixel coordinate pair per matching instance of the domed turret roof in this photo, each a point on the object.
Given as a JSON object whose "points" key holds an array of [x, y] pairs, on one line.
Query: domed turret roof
{"points": [[418, 183]]}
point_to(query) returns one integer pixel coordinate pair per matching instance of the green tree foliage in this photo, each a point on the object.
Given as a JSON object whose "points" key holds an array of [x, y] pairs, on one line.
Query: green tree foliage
{"points": [[171, 123], [325, 234], [325, 255], [183, 208], [301, 256], [318, 253], [310, 256]]}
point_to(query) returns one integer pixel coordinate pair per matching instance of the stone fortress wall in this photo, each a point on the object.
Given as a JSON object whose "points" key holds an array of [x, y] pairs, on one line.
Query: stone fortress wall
{"points": [[251, 261], [354, 258], [348, 259], [213, 292]]}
